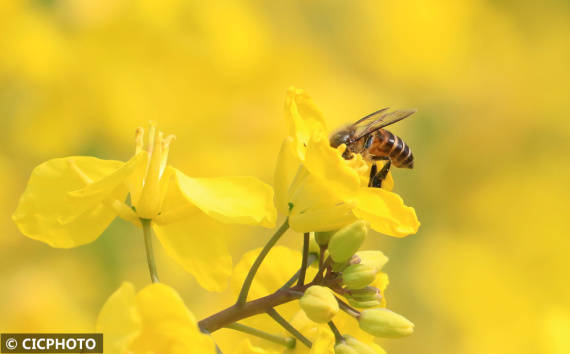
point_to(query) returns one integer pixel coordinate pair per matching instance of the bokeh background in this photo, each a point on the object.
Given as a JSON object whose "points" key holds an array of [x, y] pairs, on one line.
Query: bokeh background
{"points": [[489, 270]]}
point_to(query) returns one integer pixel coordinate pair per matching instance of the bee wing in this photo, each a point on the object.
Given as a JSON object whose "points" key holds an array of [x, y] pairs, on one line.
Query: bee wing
{"points": [[384, 121], [370, 116]]}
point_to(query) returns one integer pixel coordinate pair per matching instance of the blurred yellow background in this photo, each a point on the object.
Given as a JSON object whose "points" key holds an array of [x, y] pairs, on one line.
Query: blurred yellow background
{"points": [[489, 270]]}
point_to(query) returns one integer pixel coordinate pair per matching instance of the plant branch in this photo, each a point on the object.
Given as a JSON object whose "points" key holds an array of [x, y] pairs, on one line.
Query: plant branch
{"points": [[303, 269], [337, 336], [347, 308], [238, 312], [288, 342], [147, 232], [291, 281], [242, 298], [285, 324]]}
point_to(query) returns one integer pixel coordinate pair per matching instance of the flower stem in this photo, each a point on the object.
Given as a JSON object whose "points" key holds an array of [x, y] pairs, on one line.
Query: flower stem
{"points": [[147, 231], [312, 257], [236, 313], [347, 308], [303, 269], [286, 341], [283, 322], [337, 336], [242, 298]]}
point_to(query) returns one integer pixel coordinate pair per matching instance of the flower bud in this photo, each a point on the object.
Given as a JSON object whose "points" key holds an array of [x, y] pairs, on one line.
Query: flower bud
{"points": [[319, 304], [313, 245], [344, 348], [352, 345], [375, 259], [363, 304], [346, 241], [358, 276], [324, 237], [385, 323], [366, 294]]}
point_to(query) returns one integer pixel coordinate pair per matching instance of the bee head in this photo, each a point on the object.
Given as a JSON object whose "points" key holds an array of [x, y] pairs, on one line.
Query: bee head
{"points": [[340, 137]]}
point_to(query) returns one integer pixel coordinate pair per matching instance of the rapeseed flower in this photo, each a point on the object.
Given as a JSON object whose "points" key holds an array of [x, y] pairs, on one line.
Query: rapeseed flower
{"points": [[70, 201], [154, 320], [319, 190]]}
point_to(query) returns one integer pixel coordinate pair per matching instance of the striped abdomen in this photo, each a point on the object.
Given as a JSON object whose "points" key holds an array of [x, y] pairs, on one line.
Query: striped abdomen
{"points": [[386, 144]]}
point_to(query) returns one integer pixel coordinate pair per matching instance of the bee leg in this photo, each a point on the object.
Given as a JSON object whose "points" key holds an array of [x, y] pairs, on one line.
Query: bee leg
{"points": [[373, 172], [381, 175]]}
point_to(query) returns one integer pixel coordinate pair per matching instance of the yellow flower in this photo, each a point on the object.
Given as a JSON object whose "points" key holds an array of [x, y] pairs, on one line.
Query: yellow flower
{"points": [[152, 321], [320, 190], [70, 201]]}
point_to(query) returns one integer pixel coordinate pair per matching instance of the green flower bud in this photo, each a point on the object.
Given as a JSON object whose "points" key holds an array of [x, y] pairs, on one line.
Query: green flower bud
{"points": [[375, 259], [323, 238], [366, 294], [352, 345], [363, 304], [358, 276], [385, 323], [313, 245], [346, 241], [319, 304], [344, 348], [339, 267]]}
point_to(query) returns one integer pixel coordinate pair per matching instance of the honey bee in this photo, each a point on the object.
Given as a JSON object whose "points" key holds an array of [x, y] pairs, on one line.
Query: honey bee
{"points": [[368, 138]]}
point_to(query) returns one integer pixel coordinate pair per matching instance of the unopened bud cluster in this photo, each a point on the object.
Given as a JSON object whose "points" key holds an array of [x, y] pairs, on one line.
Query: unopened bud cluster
{"points": [[353, 275]]}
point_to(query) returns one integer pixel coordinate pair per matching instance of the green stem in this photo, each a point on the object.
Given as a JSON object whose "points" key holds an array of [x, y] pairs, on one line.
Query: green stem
{"points": [[303, 269], [347, 308], [147, 231], [287, 342], [337, 336], [283, 322], [242, 298], [312, 257]]}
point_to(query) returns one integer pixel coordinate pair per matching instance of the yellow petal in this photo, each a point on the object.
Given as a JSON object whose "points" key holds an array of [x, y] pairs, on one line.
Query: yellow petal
{"points": [[279, 265], [119, 320], [303, 117], [153, 321], [197, 245], [288, 164], [246, 347], [386, 212], [60, 208], [324, 343], [315, 208], [328, 166], [168, 326], [236, 200]]}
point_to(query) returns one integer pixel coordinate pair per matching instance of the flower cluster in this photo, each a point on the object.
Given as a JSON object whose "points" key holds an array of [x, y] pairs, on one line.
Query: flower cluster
{"points": [[321, 292]]}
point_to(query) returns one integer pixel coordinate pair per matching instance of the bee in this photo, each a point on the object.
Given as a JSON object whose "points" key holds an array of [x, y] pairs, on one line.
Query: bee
{"points": [[368, 138]]}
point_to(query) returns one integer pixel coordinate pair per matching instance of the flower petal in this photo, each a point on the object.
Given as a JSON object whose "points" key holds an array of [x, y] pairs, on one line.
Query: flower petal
{"points": [[303, 117], [324, 343], [64, 202], [237, 200], [316, 209], [119, 320], [386, 212], [288, 163], [333, 171], [197, 245], [153, 321], [281, 262]]}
